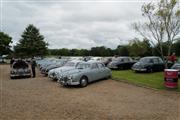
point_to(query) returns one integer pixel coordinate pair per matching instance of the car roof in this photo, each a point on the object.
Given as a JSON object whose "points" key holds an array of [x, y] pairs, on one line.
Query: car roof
{"points": [[124, 57], [151, 57], [75, 61], [96, 57], [90, 62], [93, 61]]}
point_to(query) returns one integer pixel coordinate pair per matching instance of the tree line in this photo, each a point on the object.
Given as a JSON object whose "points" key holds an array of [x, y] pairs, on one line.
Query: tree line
{"points": [[136, 47]]}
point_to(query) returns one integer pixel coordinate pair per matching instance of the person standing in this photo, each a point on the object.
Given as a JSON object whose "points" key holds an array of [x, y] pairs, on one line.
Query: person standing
{"points": [[33, 67], [173, 58], [11, 61]]}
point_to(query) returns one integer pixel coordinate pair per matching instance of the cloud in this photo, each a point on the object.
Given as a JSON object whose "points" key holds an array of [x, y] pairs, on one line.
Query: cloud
{"points": [[74, 24]]}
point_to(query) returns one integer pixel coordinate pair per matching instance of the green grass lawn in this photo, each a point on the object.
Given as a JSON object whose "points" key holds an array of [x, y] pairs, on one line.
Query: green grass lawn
{"points": [[154, 80]]}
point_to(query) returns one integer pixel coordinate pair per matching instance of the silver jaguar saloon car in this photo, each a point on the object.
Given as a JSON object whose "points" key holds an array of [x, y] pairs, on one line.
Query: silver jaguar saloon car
{"points": [[84, 73]]}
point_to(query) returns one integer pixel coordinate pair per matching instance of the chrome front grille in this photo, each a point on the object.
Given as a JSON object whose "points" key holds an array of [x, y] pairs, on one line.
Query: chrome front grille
{"points": [[65, 79]]}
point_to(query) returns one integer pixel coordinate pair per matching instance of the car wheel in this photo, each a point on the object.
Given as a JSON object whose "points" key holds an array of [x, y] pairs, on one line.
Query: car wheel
{"points": [[83, 82]]}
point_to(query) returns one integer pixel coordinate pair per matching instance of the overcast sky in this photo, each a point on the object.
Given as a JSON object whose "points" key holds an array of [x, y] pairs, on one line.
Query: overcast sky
{"points": [[73, 23]]}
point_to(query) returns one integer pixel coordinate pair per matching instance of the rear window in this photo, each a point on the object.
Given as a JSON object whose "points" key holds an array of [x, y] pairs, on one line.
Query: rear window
{"points": [[20, 64]]}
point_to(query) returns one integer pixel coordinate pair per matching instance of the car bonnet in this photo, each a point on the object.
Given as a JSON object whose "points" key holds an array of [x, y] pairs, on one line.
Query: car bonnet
{"points": [[72, 71]]}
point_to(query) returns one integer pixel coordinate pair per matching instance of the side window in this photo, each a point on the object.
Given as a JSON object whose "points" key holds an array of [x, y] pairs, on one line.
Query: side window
{"points": [[126, 60], [100, 65], [155, 61], [87, 66], [130, 60], [94, 66], [151, 61], [76, 64], [160, 60]]}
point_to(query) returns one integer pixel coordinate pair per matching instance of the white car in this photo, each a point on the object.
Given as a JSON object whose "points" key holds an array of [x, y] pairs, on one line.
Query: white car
{"points": [[96, 59]]}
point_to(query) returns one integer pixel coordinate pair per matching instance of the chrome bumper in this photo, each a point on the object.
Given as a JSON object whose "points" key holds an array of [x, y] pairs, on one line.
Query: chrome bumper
{"points": [[139, 69], [19, 75], [69, 82]]}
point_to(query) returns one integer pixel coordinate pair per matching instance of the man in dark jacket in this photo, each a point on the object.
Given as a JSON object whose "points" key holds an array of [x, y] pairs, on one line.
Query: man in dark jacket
{"points": [[12, 61], [33, 67]]}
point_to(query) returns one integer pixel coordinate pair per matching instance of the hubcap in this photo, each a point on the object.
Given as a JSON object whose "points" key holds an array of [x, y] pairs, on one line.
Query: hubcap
{"points": [[83, 82]]}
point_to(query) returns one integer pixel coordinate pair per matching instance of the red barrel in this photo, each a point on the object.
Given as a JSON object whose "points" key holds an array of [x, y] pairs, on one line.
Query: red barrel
{"points": [[171, 78]]}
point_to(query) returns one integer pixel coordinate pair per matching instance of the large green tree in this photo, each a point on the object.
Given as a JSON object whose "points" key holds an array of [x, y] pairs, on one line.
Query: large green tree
{"points": [[5, 41], [122, 50], [99, 51], [139, 48], [31, 43]]}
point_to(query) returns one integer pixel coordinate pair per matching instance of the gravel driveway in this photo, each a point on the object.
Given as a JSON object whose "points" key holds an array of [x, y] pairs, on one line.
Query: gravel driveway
{"points": [[42, 99]]}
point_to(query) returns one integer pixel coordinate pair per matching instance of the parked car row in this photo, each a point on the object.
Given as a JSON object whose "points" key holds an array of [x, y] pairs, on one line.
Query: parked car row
{"points": [[57, 72], [52, 65], [145, 64], [79, 72], [74, 72]]}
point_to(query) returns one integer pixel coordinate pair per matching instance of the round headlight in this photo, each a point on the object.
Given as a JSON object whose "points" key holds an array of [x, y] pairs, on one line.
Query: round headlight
{"points": [[59, 76], [70, 77]]}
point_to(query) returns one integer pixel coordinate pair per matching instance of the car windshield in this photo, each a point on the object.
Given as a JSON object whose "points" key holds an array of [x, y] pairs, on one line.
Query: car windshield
{"points": [[70, 64], [116, 59], [144, 60], [176, 66], [59, 62], [83, 66], [20, 64]]}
